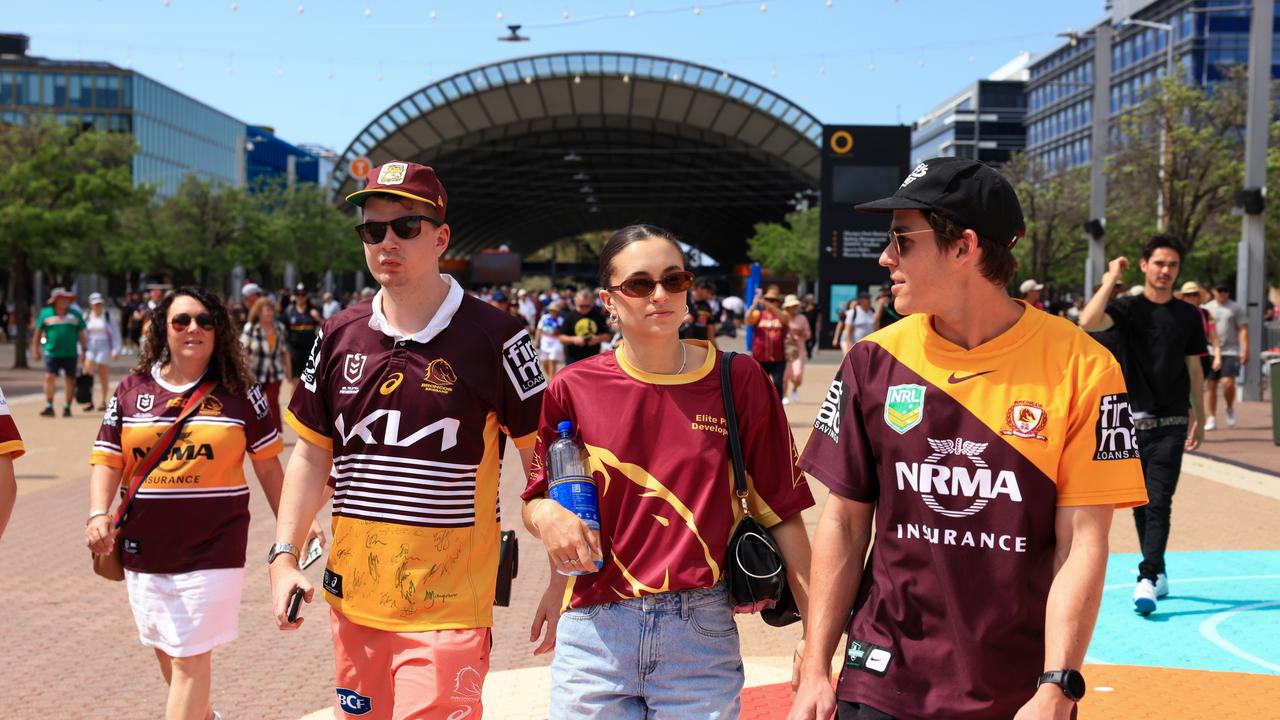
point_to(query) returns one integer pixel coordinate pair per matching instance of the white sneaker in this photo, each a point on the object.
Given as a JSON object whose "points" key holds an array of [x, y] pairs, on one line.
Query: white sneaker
{"points": [[1231, 417], [786, 401], [1162, 585], [795, 396], [217, 715], [1211, 423], [1144, 597]]}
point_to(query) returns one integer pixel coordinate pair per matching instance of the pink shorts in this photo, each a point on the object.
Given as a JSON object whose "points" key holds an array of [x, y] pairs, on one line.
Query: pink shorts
{"points": [[385, 675]]}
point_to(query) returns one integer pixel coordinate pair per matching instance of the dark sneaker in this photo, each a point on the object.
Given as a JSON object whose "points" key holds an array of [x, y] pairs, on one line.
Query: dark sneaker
{"points": [[47, 412], [66, 411]]}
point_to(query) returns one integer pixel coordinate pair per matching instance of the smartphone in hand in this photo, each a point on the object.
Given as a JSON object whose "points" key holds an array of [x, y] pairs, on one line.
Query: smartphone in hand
{"points": [[295, 603]]}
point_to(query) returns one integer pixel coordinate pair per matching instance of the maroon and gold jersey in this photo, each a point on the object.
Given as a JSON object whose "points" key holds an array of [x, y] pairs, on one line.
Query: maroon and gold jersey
{"points": [[967, 455], [659, 452], [10, 440], [415, 426], [192, 512]]}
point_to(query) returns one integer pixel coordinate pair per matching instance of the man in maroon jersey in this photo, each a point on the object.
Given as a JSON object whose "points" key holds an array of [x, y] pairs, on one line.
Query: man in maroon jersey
{"points": [[402, 408], [989, 449]]}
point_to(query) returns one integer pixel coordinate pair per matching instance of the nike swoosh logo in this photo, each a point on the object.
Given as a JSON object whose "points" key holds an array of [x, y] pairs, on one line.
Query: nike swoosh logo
{"points": [[956, 380]]}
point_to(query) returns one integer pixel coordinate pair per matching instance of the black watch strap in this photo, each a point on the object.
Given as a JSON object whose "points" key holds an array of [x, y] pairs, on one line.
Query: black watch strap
{"points": [[1071, 682]]}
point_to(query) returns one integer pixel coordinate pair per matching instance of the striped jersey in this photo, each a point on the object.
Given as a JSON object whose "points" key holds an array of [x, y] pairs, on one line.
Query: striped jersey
{"points": [[192, 512], [967, 456], [658, 447], [415, 427], [10, 440]]}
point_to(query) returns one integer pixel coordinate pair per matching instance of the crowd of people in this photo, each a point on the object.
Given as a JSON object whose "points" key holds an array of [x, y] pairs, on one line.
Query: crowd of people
{"points": [[991, 447]]}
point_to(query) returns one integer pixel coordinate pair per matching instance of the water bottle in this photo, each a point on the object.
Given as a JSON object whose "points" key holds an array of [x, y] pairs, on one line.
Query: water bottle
{"points": [[571, 484]]}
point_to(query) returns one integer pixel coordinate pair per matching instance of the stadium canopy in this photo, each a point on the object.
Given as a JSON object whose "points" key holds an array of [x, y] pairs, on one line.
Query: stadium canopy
{"points": [[539, 148]]}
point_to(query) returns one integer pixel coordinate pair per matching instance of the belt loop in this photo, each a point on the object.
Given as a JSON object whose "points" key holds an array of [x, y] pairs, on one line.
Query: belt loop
{"points": [[684, 605]]}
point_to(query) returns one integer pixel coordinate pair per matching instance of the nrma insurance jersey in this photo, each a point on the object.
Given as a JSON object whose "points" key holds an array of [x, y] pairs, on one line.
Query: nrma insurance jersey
{"points": [[967, 455], [415, 427]]}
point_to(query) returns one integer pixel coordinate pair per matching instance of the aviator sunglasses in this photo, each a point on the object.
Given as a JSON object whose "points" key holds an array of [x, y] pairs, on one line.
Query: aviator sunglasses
{"points": [[406, 228], [182, 320], [643, 287]]}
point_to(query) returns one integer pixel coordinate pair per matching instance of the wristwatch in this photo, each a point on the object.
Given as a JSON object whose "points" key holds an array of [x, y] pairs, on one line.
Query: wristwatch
{"points": [[281, 548], [1071, 682]]}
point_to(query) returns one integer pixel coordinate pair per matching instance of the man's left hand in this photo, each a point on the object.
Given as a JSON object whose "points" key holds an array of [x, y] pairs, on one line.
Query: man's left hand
{"points": [[1047, 704], [1195, 433]]}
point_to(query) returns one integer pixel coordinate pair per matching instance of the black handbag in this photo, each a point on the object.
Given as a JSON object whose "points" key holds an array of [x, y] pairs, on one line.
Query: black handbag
{"points": [[84, 388], [755, 573]]}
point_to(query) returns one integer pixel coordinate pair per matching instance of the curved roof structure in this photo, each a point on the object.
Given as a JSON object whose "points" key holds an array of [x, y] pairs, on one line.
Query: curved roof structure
{"points": [[539, 148]]}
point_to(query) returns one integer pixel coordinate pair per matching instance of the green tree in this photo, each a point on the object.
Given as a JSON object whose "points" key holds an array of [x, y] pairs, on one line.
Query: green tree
{"points": [[62, 194], [299, 224], [790, 248], [1203, 165], [1055, 207]]}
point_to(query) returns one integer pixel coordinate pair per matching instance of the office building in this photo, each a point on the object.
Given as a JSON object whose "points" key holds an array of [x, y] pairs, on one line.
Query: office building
{"points": [[984, 121]]}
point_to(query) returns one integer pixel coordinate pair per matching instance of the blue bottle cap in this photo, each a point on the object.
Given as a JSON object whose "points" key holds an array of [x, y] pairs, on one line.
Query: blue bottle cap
{"points": [[565, 428]]}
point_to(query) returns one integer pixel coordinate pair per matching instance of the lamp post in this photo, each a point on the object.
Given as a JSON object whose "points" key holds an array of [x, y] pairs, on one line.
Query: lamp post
{"points": [[1162, 215]]}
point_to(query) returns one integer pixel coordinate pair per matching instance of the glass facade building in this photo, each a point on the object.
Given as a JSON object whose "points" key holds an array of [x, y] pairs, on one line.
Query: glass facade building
{"points": [[984, 122], [176, 134], [1209, 38]]}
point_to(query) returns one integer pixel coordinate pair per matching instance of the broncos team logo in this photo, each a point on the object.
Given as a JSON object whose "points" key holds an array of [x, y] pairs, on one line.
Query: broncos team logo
{"points": [[440, 377]]}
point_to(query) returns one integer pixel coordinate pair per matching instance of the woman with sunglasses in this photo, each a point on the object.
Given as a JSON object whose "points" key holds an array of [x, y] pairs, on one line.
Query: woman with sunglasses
{"points": [[183, 542], [651, 632]]}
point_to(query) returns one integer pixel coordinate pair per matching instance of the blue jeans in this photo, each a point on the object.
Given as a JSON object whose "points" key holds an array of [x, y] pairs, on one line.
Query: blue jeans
{"points": [[672, 656]]}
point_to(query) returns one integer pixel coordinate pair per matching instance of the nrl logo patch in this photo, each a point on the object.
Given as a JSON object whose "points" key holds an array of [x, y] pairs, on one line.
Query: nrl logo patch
{"points": [[904, 407], [353, 368], [392, 173], [144, 402]]}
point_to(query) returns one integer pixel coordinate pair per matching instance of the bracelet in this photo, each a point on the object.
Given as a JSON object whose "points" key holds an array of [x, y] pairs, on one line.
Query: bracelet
{"points": [[93, 515]]}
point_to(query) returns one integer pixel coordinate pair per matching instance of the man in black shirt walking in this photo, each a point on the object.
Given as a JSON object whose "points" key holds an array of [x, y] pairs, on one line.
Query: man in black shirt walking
{"points": [[1161, 340], [585, 327]]}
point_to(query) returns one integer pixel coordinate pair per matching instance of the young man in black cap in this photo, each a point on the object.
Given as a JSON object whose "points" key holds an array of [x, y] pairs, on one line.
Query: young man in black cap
{"points": [[983, 445]]}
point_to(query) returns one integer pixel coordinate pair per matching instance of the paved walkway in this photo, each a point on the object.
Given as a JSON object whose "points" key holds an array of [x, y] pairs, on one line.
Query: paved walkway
{"points": [[71, 647]]}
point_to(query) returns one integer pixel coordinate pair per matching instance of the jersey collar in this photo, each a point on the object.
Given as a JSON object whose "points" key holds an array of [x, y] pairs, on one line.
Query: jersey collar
{"points": [[439, 322]]}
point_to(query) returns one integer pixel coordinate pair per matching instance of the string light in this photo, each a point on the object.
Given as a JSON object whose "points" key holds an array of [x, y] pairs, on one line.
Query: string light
{"points": [[500, 15], [626, 79], [830, 3], [302, 8], [631, 14], [697, 11], [764, 7], [577, 79], [433, 14], [565, 15], [167, 3], [235, 7], [368, 12]]}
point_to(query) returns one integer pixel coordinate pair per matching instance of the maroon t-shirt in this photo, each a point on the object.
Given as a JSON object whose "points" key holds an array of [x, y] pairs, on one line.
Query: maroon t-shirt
{"points": [[659, 453], [967, 456], [770, 337]]}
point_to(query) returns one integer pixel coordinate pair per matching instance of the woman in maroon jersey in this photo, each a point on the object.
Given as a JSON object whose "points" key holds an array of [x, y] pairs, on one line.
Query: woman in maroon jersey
{"points": [[651, 417], [184, 538]]}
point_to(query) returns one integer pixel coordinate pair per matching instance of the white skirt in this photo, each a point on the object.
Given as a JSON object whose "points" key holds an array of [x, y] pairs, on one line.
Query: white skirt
{"points": [[186, 614]]}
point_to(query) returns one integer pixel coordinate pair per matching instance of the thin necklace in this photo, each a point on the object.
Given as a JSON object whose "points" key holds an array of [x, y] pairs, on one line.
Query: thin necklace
{"points": [[683, 358]]}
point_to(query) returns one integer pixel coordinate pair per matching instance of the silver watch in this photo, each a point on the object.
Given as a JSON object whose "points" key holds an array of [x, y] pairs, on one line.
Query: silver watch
{"points": [[281, 548]]}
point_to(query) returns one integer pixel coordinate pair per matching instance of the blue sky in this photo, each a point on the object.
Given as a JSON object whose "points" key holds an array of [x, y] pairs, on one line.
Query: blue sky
{"points": [[321, 75]]}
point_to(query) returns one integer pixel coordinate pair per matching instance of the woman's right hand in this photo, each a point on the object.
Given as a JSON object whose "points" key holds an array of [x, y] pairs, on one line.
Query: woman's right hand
{"points": [[571, 545], [99, 536]]}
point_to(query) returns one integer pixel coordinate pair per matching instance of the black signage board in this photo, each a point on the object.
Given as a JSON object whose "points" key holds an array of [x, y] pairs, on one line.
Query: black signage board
{"points": [[859, 163]]}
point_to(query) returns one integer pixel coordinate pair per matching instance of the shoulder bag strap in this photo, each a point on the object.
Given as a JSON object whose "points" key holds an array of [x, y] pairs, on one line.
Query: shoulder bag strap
{"points": [[735, 441], [156, 455]]}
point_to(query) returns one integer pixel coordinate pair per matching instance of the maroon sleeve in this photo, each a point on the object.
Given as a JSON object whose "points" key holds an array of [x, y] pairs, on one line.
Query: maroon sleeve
{"points": [[106, 447], [779, 490], [520, 386], [555, 407], [260, 433], [309, 413], [838, 451]]}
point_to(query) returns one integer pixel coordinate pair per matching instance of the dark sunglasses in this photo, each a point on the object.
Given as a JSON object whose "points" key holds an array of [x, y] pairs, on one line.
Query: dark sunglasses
{"points": [[182, 320], [406, 228], [643, 287]]}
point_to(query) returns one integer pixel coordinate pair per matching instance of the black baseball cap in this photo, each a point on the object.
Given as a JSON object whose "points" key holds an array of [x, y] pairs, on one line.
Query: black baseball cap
{"points": [[967, 192]]}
